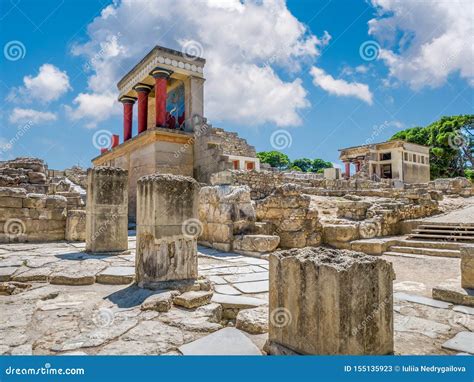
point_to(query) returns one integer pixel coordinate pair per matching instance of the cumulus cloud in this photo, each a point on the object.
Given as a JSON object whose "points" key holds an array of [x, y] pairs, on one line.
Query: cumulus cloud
{"points": [[243, 42], [340, 87], [20, 115], [424, 42], [95, 106], [49, 85]]}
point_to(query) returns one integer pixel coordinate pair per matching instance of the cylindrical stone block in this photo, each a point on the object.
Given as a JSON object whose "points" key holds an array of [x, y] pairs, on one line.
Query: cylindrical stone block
{"points": [[107, 210], [167, 229], [328, 301]]}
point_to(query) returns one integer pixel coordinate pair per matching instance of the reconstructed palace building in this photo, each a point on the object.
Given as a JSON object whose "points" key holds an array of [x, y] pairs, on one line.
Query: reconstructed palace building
{"points": [[408, 162], [173, 135]]}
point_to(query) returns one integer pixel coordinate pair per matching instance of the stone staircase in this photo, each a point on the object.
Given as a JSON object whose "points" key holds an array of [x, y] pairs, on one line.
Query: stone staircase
{"points": [[434, 239]]}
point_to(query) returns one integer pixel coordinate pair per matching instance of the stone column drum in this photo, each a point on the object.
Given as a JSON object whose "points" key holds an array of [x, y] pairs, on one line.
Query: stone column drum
{"points": [[107, 210], [328, 301], [167, 230]]}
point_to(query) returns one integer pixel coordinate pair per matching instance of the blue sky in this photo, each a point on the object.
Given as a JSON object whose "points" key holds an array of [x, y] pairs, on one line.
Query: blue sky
{"points": [[295, 69]]}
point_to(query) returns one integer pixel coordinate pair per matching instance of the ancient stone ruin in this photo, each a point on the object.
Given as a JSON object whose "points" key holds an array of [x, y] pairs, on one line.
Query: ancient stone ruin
{"points": [[106, 211], [325, 301], [167, 229]]}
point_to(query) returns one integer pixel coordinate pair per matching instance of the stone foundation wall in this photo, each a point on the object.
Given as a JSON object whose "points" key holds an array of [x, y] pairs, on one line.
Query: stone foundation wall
{"points": [[225, 211], [290, 216], [29, 217], [453, 186]]}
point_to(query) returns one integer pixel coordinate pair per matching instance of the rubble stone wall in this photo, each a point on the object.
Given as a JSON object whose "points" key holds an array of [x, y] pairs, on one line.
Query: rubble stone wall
{"points": [[290, 216], [30, 217]]}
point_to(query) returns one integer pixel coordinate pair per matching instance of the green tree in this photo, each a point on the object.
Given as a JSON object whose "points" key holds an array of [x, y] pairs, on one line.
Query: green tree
{"points": [[275, 159], [451, 144], [320, 164], [304, 164]]}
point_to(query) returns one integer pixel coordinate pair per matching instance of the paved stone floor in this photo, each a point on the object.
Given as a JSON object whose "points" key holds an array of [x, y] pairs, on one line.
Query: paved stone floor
{"points": [[92, 316]]}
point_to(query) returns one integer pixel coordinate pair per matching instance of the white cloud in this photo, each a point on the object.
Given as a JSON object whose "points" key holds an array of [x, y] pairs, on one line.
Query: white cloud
{"points": [[49, 85], [340, 87], [20, 115], [424, 42], [93, 106], [243, 43]]}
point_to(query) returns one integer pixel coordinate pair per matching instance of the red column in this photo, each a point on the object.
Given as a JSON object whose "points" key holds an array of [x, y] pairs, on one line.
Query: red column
{"points": [[142, 90], [115, 140], [161, 82], [348, 169], [357, 166], [127, 116]]}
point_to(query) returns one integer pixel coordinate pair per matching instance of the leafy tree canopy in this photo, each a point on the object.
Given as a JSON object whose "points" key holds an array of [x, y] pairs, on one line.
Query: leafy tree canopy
{"points": [[281, 161], [451, 141]]}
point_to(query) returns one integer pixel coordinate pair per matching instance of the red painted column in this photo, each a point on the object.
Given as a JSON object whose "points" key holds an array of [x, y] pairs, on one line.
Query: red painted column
{"points": [[142, 91], [161, 77], [357, 166], [348, 169], [127, 116], [115, 140]]}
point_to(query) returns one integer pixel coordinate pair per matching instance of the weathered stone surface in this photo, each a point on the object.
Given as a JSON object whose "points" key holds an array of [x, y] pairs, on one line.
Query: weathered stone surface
{"points": [[352, 293], [226, 289], [454, 294], [256, 243], [80, 274], [7, 272], [467, 267], [252, 286], [227, 341], [253, 321], [461, 342], [161, 302], [116, 275], [166, 234], [107, 210], [237, 302], [32, 274], [193, 299], [76, 225]]}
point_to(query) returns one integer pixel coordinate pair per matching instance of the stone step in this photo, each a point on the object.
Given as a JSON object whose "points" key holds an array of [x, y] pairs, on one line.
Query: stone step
{"points": [[429, 244], [441, 237], [426, 251], [444, 226], [445, 231]]}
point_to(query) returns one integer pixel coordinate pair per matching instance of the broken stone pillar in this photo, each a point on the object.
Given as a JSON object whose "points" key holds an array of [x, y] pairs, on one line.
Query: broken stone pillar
{"points": [[167, 230], [467, 267], [76, 225], [329, 301], [107, 210]]}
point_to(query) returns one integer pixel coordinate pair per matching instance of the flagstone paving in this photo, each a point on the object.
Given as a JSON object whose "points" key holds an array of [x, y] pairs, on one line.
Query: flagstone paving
{"points": [[60, 300]]}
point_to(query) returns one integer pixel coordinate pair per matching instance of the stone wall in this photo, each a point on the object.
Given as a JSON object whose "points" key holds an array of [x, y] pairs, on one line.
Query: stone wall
{"points": [[453, 186], [211, 147], [225, 211], [290, 216], [30, 217], [27, 173]]}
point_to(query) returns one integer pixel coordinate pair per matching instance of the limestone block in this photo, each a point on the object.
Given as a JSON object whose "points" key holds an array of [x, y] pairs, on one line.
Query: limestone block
{"points": [[76, 225], [13, 192], [106, 210], [36, 177], [34, 201], [328, 301], [56, 201], [167, 229], [193, 299], [256, 243], [467, 267], [340, 232], [10, 202]]}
